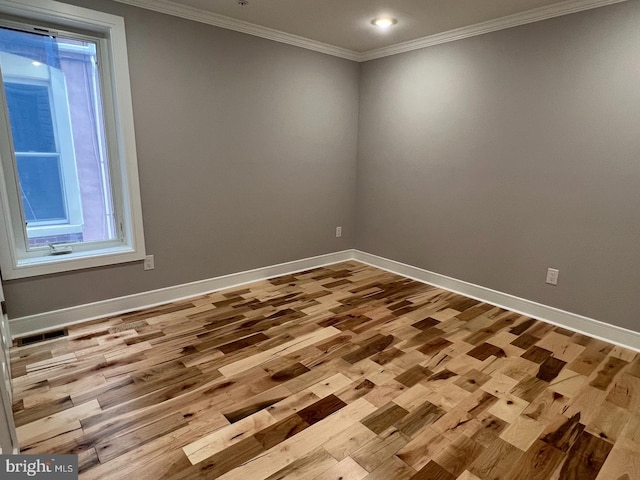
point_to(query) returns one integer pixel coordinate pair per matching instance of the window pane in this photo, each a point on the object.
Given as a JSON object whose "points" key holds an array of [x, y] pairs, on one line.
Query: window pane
{"points": [[37, 48], [78, 61], [52, 89], [30, 116], [41, 185]]}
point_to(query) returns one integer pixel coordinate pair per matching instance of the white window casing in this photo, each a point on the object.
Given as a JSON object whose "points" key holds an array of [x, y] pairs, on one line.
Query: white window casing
{"points": [[16, 259]]}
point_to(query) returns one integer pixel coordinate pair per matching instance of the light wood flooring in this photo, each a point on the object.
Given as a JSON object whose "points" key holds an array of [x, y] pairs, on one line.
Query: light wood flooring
{"points": [[342, 372]]}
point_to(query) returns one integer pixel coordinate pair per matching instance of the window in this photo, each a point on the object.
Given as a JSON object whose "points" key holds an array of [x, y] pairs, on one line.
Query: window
{"points": [[70, 196]]}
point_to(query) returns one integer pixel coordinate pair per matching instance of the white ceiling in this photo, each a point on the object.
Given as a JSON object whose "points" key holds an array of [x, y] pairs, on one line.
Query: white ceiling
{"points": [[345, 25]]}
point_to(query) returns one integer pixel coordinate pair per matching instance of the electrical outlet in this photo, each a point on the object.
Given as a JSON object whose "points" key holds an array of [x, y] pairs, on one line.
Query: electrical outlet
{"points": [[338, 232], [552, 276], [149, 263]]}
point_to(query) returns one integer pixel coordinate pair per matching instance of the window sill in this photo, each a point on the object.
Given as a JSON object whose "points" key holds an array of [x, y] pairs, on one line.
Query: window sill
{"points": [[30, 267]]}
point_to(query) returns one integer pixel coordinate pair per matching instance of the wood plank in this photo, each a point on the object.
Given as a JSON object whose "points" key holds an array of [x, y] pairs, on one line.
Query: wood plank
{"points": [[563, 432], [307, 466], [343, 444], [456, 457], [394, 468], [621, 464], [586, 458], [422, 449], [384, 417], [522, 432], [592, 356], [433, 471], [424, 415], [491, 464], [380, 449], [286, 452], [608, 372], [113, 447], [56, 424], [227, 436], [280, 431], [538, 463], [347, 469], [278, 351], [550, 368], [344, 371]]}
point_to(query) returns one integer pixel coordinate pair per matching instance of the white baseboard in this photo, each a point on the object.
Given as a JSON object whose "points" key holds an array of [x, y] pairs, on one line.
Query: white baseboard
{"points": [[33, 324], [42, 322], [571, 321]]}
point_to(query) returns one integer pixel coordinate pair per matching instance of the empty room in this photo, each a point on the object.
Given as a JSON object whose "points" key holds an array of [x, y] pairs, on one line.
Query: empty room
{"points": [[332, 240]]}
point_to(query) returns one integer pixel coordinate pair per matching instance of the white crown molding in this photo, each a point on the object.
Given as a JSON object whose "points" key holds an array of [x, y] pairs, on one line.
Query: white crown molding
{"points": [[210, 18], [530, 16], [47, 321], [571, 321]]}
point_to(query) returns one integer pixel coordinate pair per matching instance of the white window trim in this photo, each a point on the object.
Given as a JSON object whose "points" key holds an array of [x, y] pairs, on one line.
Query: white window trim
{"points": [[50, 11]]}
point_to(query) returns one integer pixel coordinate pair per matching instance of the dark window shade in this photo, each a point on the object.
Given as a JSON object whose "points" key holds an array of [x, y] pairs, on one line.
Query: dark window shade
{"points": [[30, 117], [41, 185]]}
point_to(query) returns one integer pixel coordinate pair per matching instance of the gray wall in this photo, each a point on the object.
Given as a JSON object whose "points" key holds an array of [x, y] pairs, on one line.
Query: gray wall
{"points": [[247, 157], [492, 158], [487, 159]]}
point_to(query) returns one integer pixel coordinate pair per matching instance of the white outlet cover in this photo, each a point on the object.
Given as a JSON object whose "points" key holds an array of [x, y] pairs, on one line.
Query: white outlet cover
{"points": [[149, 263], [552, 276]]}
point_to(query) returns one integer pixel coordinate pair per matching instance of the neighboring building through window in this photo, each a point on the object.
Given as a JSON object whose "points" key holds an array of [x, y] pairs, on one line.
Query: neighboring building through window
{"points": [[54, 102], [69, 164]]}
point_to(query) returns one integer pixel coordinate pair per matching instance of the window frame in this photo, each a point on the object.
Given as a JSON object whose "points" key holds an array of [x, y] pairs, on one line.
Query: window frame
{"points": [[60, 116], [16, 259]]}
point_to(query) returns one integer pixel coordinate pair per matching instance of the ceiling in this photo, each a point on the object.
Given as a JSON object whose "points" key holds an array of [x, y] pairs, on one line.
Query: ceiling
{"points": [[343, 27]]}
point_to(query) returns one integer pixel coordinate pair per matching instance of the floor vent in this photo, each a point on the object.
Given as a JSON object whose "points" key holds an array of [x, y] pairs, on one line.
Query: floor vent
{"points": [[41, 337]]}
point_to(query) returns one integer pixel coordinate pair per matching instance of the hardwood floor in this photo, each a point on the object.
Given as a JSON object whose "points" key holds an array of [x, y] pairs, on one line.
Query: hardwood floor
{"points": [[342, 372]]}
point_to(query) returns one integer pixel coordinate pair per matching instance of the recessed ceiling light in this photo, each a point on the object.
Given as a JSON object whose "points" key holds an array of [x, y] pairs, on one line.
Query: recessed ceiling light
{"points": [[384, 22], [35, 63]]}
